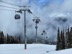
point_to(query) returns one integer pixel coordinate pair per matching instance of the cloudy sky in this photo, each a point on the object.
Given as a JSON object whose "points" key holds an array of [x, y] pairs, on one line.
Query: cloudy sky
{"points": [[53, 14]]}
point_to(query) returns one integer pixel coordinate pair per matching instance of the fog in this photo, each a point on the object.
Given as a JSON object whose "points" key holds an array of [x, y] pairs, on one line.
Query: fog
{"points": [[49, 12]]}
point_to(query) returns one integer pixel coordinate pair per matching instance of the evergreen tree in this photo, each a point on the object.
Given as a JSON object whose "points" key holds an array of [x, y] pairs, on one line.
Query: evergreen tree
{"points": [[1, 37], [8, 39], [62, 40], [58, 40], [19, 38], [68, 39]]}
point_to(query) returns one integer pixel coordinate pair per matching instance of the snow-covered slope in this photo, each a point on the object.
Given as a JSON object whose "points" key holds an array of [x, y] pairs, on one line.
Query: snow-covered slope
{"points": [[31, 49], [19, 49], [67, 51]]}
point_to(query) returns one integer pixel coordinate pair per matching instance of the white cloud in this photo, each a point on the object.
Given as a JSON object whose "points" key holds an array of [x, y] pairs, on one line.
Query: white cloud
{"points": [[46, 14]]}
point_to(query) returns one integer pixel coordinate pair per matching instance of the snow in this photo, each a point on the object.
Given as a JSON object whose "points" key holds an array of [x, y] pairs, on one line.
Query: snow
{"points": [[67, 51], [31, 49]]}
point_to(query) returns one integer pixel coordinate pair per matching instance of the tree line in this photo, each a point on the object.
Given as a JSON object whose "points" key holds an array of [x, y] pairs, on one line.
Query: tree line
{"points": [[13, 39], [9, 39], [64, 39]]}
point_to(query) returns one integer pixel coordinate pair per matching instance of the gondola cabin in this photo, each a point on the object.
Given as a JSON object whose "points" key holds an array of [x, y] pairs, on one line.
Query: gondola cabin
{"points": [[17, 16]]}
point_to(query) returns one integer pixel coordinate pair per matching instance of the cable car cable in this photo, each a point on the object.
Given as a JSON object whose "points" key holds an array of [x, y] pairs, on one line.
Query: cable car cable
{"points": [[8, 7], [9, 3]]}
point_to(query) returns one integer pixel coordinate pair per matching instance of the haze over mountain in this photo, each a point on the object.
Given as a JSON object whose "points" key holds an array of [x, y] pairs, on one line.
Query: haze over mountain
{"points": [[53, 14]]}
